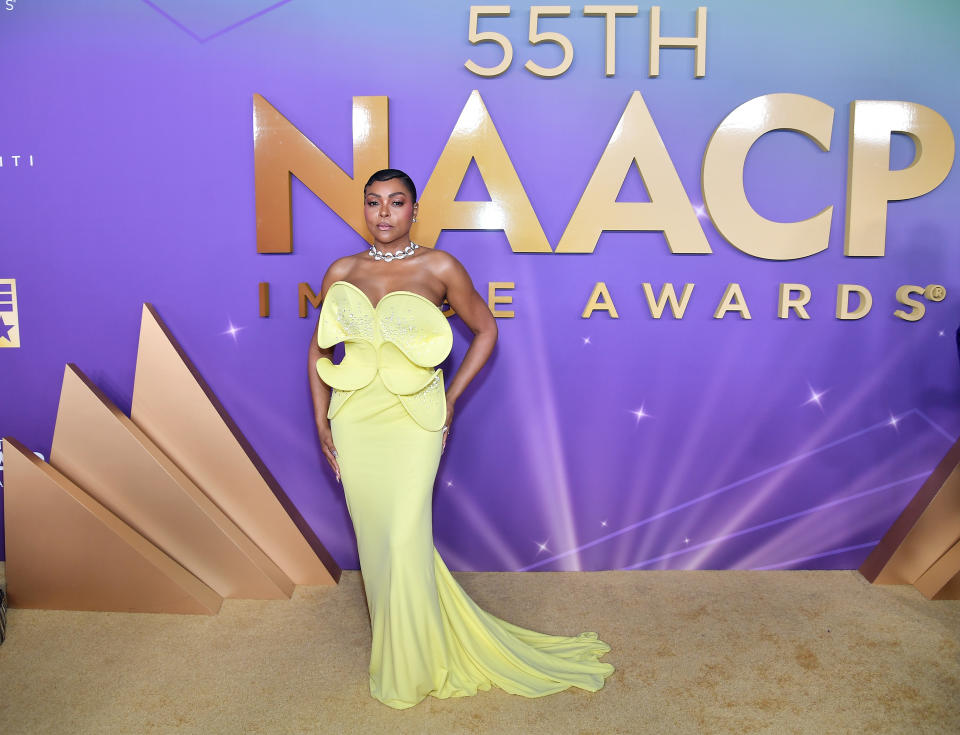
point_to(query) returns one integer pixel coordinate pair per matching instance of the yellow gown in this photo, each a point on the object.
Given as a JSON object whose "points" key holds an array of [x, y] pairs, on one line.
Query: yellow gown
{"points": [[387, 409]]}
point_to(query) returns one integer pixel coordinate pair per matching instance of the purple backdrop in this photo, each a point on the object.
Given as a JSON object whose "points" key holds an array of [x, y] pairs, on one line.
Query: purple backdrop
{"points": [[583, 444]]}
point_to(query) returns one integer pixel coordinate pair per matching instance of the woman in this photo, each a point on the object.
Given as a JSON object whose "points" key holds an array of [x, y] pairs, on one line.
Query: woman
{"points": [[383, 425]]}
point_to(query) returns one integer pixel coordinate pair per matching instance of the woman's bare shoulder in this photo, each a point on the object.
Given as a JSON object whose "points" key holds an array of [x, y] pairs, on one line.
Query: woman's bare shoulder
{"points": [[338, 270], [446, 267], [440, 262], [342, 265]]}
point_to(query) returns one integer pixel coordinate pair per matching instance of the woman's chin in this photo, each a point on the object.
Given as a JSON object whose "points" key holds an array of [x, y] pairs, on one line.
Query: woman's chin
{"points": [[388, 237]]}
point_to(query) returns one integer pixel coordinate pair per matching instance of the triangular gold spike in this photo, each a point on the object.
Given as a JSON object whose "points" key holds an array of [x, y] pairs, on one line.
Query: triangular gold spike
{"points": [[176, 408], [103, 451], [923, 533], [66, 551]]}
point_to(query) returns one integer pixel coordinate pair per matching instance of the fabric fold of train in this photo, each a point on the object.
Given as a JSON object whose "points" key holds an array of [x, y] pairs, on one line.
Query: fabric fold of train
{"points": [[516, 659], [476, 650]]}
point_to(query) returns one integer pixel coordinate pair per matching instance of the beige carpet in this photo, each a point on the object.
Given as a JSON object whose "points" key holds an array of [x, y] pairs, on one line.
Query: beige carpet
{"points": [[696, 652]]}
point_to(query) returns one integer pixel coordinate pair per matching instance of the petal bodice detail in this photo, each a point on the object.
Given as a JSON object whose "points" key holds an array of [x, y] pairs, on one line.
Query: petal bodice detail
{"points": [[402, 338]]}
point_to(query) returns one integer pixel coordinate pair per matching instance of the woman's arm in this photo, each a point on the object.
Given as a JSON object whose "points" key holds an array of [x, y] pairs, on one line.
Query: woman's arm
{"points": [[471, 307], [320, 391]]}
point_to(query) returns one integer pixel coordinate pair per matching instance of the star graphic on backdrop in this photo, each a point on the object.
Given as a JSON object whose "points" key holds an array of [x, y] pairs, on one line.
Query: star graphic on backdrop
{"points": [[5, 330], [603, 523], [815, 397], [449, 483], [232, 330], [700, 210], [941, 333], [639, 413], [541, 546], [586, 340], [894, 420]]}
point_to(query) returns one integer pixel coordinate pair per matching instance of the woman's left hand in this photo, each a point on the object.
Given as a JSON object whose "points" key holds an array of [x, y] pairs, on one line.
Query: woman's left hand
{"points": [[446, 426]]}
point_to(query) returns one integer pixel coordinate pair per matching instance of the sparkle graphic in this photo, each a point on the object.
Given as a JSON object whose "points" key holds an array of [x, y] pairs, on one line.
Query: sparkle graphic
{"points": [[894, 420], [686, 541], [815, 397], [603, 523], [232, 330], [586, 340], [941, 333], [449, 483], [541, 546], [700, 210], [639, 413]]}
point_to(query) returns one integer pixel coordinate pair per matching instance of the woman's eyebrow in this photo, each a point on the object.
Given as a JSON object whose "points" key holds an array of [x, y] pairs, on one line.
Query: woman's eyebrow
{"points": [[392, 194]]}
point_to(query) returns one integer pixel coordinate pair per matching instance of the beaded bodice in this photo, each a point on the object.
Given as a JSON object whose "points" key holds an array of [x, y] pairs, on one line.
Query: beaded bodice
{"points": [[401, 339]]}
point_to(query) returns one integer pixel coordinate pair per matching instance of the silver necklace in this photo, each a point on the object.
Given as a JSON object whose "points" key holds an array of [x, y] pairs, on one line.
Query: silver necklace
{"points": [[398, 255]]}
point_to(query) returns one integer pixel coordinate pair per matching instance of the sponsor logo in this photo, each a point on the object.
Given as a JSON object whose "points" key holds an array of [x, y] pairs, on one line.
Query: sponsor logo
{"points": [[9, 319]]}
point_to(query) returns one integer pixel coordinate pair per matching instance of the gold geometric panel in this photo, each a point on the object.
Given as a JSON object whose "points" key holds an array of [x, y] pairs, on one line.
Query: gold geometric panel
{"points": [[103, 451], [65, 551], [951, 590], [935, 582], [177, 409], [924, 532]]}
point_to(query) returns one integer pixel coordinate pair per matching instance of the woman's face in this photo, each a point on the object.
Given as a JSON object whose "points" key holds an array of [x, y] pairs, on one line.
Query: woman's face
{"points": [[389, 210]]}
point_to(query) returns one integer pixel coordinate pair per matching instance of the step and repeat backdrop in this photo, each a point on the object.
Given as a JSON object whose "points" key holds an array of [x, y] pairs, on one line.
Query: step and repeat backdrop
{"points": [[720, 241]]}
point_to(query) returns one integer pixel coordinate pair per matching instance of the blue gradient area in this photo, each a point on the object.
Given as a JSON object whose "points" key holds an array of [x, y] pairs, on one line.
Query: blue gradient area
{"points": [[139, 118]]}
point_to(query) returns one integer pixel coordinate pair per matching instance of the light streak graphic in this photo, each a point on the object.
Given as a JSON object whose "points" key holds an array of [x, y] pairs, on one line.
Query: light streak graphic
{"points": [[821, 555], [849, 403], [544, 439], [778, 521], [714, 493], [936, 427]]}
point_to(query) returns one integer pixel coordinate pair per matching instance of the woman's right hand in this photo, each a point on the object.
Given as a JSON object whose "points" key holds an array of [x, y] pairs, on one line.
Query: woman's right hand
{"points": [[329, 450]]}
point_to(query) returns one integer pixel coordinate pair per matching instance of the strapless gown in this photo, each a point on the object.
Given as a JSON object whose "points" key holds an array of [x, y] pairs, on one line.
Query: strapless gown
{"points": [[387, 409]]}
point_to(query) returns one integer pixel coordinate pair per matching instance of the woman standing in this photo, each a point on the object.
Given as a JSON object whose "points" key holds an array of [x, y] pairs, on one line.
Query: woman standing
{"points": [[383, 425]]}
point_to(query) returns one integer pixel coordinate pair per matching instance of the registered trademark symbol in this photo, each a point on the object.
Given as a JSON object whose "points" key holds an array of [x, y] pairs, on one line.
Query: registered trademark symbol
{"points": [[935, 292]]}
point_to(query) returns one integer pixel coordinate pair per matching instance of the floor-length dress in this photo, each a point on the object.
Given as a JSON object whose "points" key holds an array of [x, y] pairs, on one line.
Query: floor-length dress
{"points": [[387, 409]]}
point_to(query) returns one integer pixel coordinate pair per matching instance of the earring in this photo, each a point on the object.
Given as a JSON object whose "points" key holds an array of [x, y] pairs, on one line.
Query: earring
{"points": [[414, 219]]}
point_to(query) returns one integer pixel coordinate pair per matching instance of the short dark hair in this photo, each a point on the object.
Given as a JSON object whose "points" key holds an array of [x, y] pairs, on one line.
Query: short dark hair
{"points": [[386, 174]]}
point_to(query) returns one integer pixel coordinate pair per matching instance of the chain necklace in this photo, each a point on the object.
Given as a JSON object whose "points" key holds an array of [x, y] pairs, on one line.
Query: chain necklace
{"points": [[398, 255]]}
